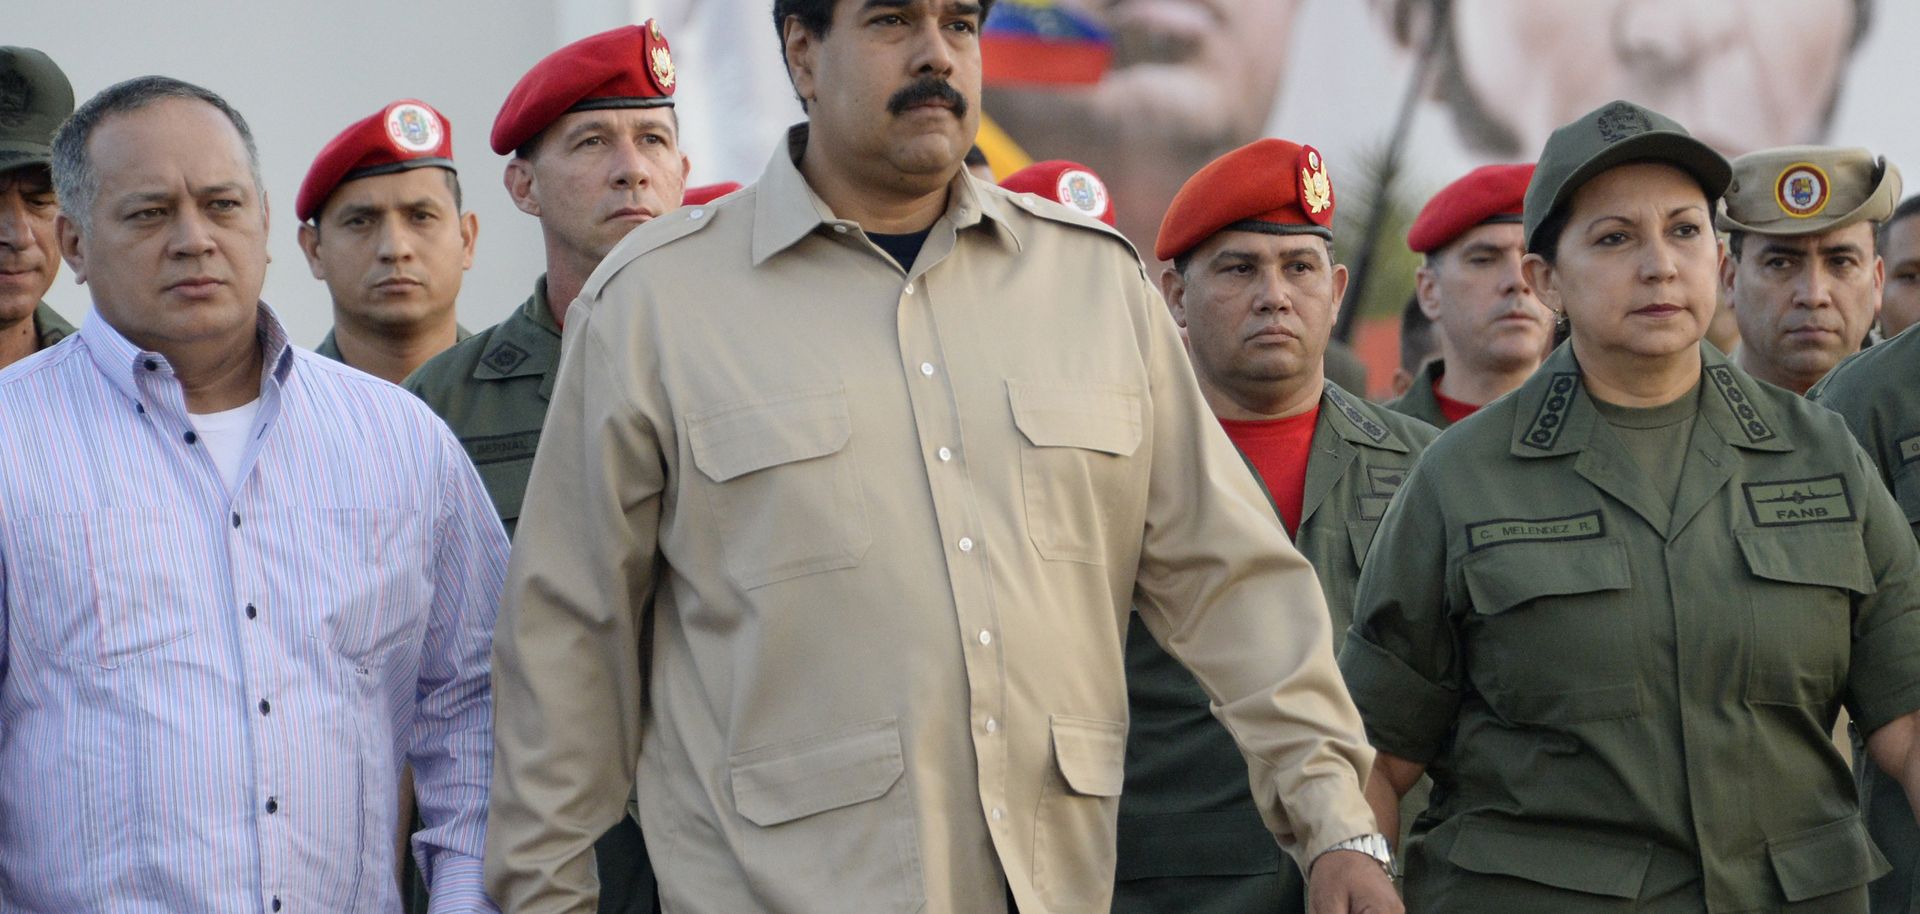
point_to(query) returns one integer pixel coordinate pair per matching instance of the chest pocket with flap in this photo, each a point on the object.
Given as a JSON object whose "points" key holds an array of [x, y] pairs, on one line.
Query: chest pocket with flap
{"points": [[1551, 634], [1074, 468]]}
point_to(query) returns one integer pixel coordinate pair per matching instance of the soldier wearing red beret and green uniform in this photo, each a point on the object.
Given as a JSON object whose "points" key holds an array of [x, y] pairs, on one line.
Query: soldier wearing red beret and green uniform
{"points": [[1256, 288], [1493, 332], [382, 225], [594, 147]]}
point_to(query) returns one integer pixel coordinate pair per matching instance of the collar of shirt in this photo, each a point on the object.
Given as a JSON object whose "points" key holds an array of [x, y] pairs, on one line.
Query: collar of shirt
{"points": [[786, 209], [124, 364]]}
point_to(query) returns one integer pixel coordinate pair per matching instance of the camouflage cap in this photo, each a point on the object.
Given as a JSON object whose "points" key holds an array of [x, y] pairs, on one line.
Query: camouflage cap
{"points": [[34, 98], [1799, 190], [1616, 133]]}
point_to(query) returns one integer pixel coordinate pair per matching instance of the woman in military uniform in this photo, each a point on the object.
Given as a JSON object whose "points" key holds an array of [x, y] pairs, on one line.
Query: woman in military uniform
{"points": [[1615, 614]]}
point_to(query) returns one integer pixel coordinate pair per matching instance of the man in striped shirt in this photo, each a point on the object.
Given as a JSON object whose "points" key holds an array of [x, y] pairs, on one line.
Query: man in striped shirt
{"points": [[240, 585]]}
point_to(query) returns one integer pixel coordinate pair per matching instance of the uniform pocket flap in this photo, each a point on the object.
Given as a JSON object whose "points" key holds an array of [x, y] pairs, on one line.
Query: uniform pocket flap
{"points": [[789, 781], [1092, 754], [1550, 858], [1826, 556], [1827, 859], [1098, 417], [736, 439], [1506, 576]]}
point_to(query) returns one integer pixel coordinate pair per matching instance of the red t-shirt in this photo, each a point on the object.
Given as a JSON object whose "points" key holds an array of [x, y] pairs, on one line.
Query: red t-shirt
{"points": [[1454, 410], [1278, 449]]}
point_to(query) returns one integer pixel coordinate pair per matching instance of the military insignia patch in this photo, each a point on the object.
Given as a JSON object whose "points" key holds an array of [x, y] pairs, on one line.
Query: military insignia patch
{"points": [[1385, 480], [1544, 433], [1822, 499], [1502, 531], [660, 63], [1620, 121], [1083, 191], [1751, 424], [1373, 507], [1314, 187], [504, 357], [501, 448], [1909, 449], [413, 128], [1361, 420], [1802, 190], [16, 99]]}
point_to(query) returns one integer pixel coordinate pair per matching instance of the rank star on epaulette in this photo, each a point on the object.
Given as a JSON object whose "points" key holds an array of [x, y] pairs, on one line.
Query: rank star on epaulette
{"points": [[1551, 418]]}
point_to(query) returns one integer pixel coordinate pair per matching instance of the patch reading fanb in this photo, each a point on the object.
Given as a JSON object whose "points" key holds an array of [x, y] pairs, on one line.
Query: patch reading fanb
{"points": [[1544, 433], [1910, 449], [504, 357], [501, 448], [1751, 424], [1361, 420], [1586, 526], [1821, 499], [1385, 480]]}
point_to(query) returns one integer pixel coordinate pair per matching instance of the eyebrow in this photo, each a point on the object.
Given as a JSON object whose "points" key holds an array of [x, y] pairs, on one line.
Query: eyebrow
{"points": [[1803, 249], [1670, 214]]}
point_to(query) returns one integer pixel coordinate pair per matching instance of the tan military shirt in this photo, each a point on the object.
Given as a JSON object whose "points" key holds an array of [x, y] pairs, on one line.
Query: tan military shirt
{"points": [[837, 558]]}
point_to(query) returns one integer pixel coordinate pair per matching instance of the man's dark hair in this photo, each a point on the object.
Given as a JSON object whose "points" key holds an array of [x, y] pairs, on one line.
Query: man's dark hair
{"points": [[816, 16], [74, 180], [1908, 208], [1416, 336]]}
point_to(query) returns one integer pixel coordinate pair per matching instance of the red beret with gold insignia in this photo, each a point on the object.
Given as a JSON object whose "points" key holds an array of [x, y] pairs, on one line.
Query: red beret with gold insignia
{"points": [[628, 67], [1069, 183], [406, 134], [1490, 193], [1268, 185], [707, 193]]}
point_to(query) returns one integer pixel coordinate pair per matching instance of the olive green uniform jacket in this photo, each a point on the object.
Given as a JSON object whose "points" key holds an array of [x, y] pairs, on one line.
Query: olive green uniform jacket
{"points": [[1878, 393], [1419, 401], [1622, 700], [49, 327], [1191, 839], [492, 389]]}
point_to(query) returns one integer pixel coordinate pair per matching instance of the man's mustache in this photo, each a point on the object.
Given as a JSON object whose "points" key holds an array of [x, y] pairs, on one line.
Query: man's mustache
{"points": [[928, 90]]}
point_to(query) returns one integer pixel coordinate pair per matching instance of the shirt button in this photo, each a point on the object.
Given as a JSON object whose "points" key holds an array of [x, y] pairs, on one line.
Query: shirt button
{"points": [[966, 544], [909, 288], [251, 612], [273, 806], [841, 229], [926, 368], [191, 437], [140, 408], [153, 365], [998, 814], [265, 707], [945, 455], [276, 902], [993, 726], [696, 214], [236, 520], [986, 637]]}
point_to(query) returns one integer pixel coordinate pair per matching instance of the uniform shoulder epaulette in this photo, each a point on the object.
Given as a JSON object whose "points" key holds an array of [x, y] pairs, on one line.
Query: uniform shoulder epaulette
{"points": [[1544, 432], [654, 235], [1755, 428], [1366, 424], [1055, 211]]}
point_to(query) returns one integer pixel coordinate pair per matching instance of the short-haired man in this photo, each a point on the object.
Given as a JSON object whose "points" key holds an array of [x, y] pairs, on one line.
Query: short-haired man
{"points": [[34, 98], [242, 584], [1255, 284], [838, 564], [595, 152], [1418, 345], [1493, 332], [1899, 245], [382, 226], [1802, 274]]}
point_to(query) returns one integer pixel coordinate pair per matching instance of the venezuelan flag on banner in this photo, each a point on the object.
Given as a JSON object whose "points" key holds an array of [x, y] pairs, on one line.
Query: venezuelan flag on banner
{"points": [[1041, 42]]}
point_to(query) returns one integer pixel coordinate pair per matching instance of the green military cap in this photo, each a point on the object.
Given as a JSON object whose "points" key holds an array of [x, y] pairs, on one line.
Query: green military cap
{"points": [[1798, 190], [1617, 133], [34, 98]]}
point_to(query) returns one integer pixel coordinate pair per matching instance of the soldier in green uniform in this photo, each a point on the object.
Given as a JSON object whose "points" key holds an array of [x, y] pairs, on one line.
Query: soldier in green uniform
{"points": [[1615, 613], [1256, 288], [1491, 329], [34, 98], [594, 144], [382, 225]]}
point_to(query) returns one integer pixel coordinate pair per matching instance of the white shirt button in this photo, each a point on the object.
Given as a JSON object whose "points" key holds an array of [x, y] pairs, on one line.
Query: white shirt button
{"points": [[993, 726], [966, 544], [945, 455], [909, 288], [986, 637], [696, 214], [841, 229], [997, 814], [926, 368]]}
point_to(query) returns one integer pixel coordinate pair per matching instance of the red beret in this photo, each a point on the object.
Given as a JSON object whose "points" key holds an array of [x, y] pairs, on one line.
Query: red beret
{"points": [[406, 134], [1490, 193], [707, 193], [628, 67], [1265, 186], [1070, 183]]}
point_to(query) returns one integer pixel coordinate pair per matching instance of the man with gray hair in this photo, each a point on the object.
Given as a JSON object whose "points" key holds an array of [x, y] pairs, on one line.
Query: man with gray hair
{"points": [[241, 585]]}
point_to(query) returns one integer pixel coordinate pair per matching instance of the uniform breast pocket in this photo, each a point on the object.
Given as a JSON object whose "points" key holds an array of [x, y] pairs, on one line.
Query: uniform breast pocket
{"points": [[369, 569], [785, 488], [1551, 637], [102, 589], [1075, 468], [1800, 595]]}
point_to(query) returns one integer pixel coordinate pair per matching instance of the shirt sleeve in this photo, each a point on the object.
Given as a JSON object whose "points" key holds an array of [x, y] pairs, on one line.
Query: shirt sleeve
{"points": [[452, 738], [1224, 591], [1883, 680], [569, 638], [1402, 657]]}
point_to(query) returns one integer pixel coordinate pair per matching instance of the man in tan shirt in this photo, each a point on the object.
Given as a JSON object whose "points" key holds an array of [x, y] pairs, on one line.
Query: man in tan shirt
{"points": [[846, 489]]}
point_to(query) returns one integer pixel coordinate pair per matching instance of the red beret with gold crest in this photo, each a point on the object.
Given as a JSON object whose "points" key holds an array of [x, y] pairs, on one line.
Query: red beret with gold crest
{"points": [[1272, 186], [627, 67], [1490, 193], [405, 134]]}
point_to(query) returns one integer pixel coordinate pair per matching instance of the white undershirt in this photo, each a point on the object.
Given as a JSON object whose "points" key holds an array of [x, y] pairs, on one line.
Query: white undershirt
{"points": [[224, 435]]}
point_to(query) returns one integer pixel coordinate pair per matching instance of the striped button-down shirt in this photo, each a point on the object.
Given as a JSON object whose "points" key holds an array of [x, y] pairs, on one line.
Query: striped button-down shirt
{"points": [[207, 695]]}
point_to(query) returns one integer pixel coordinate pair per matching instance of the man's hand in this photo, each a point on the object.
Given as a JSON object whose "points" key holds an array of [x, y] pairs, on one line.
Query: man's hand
{"points": [[1350, 882]]}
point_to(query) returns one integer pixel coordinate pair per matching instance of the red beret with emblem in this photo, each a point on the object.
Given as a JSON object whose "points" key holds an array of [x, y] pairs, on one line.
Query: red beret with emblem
{"points": [[1269, 185], [707, 193], [1068, 183], [1490, 193], [406, 134], [628, 67]]}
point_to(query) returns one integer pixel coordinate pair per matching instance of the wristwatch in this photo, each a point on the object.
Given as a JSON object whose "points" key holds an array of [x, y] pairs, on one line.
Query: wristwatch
{"points": [[1373, 845]]}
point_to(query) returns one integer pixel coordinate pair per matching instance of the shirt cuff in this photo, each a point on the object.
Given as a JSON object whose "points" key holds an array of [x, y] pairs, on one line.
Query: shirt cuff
{"points": [[458, 887]]}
